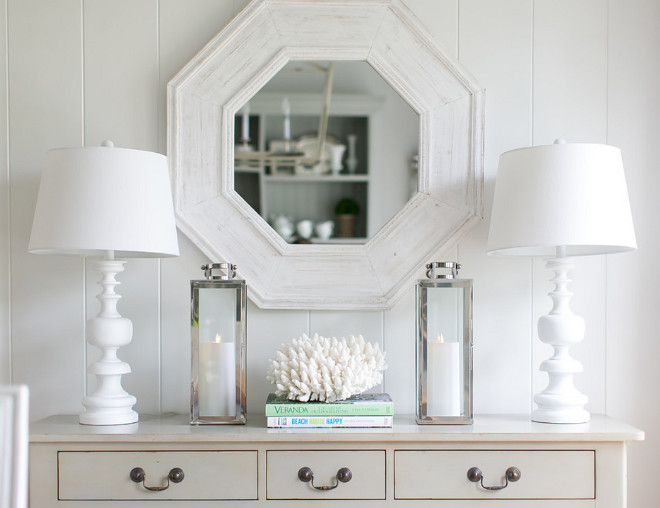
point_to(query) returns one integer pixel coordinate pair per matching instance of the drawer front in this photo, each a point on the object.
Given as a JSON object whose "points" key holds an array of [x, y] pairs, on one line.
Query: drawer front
{"points": [[97, 475], [367, 468], [544, 474]]}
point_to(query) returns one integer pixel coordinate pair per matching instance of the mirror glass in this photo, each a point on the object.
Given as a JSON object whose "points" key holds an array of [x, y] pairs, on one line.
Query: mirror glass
{"points": [[341, 187]]}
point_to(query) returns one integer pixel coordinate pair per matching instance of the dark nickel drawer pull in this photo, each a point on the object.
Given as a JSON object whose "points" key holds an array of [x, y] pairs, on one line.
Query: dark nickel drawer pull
{"points": [[139, 476], [512, 474], [344, 475]]}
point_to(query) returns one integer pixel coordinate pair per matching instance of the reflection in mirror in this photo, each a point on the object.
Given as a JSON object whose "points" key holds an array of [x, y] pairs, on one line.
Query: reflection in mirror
{"points": [[325, 152]]}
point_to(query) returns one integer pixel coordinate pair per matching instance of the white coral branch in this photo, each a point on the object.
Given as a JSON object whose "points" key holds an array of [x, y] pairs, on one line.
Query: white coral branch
{"points": [[326, 369]]}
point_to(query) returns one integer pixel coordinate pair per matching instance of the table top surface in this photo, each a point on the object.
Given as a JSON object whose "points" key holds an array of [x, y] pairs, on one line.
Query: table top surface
{"points": [[176, 428]]}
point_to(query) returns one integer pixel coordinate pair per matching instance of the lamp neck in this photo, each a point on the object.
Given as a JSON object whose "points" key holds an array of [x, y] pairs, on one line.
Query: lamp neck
{"points": [[109, 255], [561, 251]]}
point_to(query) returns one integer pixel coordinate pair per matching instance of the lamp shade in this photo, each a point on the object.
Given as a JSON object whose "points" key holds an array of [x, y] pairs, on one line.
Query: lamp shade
{"points": [[572, 195], [97, 199]]}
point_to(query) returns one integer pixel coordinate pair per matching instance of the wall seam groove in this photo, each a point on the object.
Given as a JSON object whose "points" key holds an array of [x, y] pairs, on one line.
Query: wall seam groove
{"points": [[159, 292], [458, 29], [83, 113], [607, 140], [9, 328], [531, 80], [532, 342]]}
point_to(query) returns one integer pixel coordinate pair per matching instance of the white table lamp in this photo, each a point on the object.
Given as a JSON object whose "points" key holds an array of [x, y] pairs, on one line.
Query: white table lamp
{"points": [[556, 201], [105, 201]]}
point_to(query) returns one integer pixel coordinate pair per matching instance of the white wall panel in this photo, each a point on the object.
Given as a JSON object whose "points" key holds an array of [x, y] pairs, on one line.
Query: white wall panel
{"points": [[267, 330], [121, 104], [5, 296], [633, 345], [495, 44], [570, 101], [400, 344], [441, 20], [175, 306], [184, 29], [45, 108], [399, 340]]}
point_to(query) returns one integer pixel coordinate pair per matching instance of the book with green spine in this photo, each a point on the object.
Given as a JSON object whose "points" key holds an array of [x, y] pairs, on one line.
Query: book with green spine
{"points": [[366, 404]]}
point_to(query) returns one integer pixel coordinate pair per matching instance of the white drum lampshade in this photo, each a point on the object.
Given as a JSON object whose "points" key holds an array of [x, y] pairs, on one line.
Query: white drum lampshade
{"points": [[105, 201], [556, 201]]}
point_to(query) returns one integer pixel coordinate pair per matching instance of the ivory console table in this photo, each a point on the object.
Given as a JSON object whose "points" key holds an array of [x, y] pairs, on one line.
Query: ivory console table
{"points": [[542, 465]]}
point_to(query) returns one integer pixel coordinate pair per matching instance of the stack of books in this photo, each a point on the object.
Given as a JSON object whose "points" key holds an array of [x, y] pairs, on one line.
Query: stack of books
{"points": [[365, 410]]}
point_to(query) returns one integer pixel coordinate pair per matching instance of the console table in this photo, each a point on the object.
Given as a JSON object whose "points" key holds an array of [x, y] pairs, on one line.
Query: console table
{"points": [[166, 461]]}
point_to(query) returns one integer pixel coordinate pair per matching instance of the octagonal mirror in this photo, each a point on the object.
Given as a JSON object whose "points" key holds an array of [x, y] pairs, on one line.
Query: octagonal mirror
{"points": [[217, 132]]}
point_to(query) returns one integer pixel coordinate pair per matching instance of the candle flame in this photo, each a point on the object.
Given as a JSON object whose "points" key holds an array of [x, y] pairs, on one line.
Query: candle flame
{"points": [[440, 338], [218, 338]]}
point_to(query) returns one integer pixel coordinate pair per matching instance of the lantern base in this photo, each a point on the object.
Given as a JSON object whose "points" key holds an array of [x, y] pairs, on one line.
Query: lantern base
{"points": [[561, 402]]}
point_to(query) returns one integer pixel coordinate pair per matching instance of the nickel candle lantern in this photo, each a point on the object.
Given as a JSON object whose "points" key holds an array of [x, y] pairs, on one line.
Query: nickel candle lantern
{"points": [[219, 346], [444, 346]]}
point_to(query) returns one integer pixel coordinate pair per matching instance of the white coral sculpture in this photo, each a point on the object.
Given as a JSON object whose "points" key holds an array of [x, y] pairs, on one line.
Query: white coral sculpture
{"points": [[326, 369]]}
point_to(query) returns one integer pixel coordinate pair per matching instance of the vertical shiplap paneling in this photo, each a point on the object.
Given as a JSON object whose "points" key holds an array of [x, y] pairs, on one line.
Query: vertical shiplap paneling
{"points": [[45, 108], [121, 104], [495, 44], [267, 330], [570, 101], [440, 18], [399, 341], [183, 29], [633, 347], [5, 297]]}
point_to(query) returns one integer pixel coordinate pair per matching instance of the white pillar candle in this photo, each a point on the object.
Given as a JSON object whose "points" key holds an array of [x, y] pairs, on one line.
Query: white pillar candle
{"points": [[216, 386], [286, 111], [246, 122], [443, 380]]}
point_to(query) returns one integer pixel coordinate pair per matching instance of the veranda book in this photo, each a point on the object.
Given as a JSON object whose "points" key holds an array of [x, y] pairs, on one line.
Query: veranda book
{"points": [[290, 422], [366, 404]]}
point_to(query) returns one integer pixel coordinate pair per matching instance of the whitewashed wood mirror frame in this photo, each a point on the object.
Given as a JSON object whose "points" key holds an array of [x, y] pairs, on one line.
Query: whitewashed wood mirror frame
{"points": [[245, 55]]}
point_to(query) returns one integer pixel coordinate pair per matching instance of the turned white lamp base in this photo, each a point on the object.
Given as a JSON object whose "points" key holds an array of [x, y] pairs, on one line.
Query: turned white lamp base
{"points": [[561, 402], [109, 404]]}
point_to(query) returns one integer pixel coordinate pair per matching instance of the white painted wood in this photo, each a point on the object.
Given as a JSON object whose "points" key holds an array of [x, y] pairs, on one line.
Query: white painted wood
{"points": [[398, 47], [544, 475], [267, 331], [486, 431], [14, 446], [221, 475], [121, 103], [440, 17], [5, 269], [374, 455], [183, 29], [367, 467], [632, 299], [46, 306], [502, 298], [400, 346]]}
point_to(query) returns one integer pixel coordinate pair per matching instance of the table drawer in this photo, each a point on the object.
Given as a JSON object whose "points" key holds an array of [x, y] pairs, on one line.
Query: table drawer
{"points": [[99, 475], [367, 469], [433, 474]]}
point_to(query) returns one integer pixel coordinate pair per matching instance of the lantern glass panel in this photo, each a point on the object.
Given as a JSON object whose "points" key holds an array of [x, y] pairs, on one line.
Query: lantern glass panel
{"points": [[444, 359], [218, 351]]}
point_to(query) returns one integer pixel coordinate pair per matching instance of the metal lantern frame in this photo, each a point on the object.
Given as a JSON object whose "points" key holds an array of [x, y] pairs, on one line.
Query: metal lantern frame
{"points": [[422, 288], [224, 281]]}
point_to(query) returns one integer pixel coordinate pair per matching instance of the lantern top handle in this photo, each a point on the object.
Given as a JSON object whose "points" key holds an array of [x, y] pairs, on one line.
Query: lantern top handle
{"points": [[451, 265], [227, 271]]}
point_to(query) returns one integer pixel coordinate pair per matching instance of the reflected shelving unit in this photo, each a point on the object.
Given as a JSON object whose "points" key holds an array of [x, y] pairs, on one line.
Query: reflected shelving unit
{"points": [[300, 193]]}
